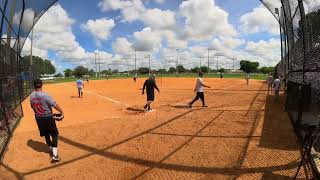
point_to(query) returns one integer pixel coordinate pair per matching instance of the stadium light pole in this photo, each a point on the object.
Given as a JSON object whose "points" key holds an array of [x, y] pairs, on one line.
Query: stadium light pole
{"points": [[135, 61], [278, 13], [95, 62], [177, 62]]}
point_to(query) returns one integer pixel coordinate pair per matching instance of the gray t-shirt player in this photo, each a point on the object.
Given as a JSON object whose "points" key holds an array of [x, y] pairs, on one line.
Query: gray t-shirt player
{"points": [[42, 104]]}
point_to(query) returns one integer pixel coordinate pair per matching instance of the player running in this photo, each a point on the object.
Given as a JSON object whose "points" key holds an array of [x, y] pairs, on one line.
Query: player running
{"points": [[135, 78], [269, 82], [42, 104], [276, 87], [80, 86], [150, 85], [199, 89]]}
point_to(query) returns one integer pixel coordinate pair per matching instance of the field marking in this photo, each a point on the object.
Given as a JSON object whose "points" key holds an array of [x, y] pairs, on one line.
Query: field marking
{"points": [[98, 95]]}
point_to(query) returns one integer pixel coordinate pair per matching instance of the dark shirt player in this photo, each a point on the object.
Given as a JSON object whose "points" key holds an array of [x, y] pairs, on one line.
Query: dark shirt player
{"points": [[150, 85]]}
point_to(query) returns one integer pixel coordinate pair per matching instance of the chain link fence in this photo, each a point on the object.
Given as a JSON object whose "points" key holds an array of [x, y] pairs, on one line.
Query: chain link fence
{"points": [[300, 61], [17, 19]]}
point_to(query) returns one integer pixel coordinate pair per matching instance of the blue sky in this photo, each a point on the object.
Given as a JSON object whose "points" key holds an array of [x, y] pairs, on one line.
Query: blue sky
{"points": [[113, 29]]}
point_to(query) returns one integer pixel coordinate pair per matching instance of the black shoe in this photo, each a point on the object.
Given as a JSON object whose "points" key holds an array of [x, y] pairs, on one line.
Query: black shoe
{"points": [[190, 105], [204, 105]]}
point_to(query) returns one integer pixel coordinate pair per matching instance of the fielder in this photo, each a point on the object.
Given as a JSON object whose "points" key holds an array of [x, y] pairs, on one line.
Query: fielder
{"points": [[42, 104], [276, 87], [150, 85], [80, 86], [269, 82], [199, 89], [247, 78]]}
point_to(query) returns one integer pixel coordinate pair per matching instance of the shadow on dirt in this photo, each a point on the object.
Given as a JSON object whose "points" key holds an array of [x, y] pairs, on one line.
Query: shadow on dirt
{"points": [[38, 146], [135, 109]]}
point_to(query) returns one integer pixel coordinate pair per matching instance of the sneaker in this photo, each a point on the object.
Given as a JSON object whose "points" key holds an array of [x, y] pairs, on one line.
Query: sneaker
{"points": [[56, 158], [204, 105], [190, 105]]}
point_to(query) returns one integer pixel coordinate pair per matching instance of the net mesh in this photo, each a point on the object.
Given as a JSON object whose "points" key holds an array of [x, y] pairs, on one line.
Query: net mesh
{"points": [[17, 19]]}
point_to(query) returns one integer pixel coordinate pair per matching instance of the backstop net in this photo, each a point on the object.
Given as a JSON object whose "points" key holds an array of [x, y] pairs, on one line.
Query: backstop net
{"points": [[300, 60], [17, 19]]}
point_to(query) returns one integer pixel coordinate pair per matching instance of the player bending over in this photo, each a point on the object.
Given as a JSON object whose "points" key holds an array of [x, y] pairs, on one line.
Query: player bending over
{"points": [[42, 104], [199, 89], [80, 86], [150, 85]]}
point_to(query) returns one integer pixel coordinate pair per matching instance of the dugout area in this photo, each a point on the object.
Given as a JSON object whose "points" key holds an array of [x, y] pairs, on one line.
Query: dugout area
{"points": [[242, 134]]}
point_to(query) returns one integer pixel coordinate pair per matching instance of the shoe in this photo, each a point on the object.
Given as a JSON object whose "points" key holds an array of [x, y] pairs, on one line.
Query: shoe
{"points": [[145, 107], [204, 105], [50, 151], [190, 105], [56, 158]]}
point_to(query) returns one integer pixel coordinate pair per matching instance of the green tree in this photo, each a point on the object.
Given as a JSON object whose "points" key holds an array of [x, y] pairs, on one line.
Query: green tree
{"points": [[162, 70], [181, 69], [266, 70], [143, 70], [172, 70], [221, 70], [204, 69], [39, 66], [248, 66], [58, 75], [68, 72], [80, 71], [195, 70]]}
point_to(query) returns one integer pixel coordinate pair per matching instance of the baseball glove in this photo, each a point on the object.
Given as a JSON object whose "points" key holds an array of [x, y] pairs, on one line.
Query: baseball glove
{"points": [[58, 117]]}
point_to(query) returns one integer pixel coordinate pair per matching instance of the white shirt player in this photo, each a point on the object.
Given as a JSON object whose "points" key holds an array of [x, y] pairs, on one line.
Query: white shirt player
{"points": [[277, 84], [199, 87]]}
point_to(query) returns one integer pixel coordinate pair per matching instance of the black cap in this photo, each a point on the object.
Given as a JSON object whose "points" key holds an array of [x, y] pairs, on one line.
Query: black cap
{"points": [[37, 83]]}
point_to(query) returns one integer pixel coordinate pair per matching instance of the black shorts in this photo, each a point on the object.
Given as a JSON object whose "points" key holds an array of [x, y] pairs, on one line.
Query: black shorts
{"points": [[47, 126], [150, 97]]}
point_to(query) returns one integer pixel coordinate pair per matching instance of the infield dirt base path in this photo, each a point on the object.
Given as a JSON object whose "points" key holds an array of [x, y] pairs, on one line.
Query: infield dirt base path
{"points": [[107, 135]]}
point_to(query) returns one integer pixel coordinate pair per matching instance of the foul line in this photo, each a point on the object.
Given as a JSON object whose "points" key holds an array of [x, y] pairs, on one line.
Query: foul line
{"points": [[90, 92]]}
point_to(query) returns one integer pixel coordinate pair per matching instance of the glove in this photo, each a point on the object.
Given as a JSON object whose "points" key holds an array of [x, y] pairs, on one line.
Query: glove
{"points": [[58, 117]]}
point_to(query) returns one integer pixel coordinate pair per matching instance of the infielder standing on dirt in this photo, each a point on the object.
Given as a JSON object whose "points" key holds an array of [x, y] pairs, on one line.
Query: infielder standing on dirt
{"points": [[150, 85], [269, 82], [42, 104], [199, 89], [276, 87], [80, 86]]}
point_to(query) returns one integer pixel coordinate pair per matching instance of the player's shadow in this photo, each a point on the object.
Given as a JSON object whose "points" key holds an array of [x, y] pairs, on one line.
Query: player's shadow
{"points": [[180, 106], [135, 109], [74, 97], [38, 146]]}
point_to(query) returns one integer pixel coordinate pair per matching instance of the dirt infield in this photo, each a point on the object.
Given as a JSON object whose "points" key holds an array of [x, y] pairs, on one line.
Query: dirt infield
{"points": [[107, 135]]}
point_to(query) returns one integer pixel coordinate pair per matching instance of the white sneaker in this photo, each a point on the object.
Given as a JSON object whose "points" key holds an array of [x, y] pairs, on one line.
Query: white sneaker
{"points": [[56, 158]]}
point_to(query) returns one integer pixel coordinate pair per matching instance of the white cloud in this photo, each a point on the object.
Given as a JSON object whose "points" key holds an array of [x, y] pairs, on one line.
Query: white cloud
{"points": [[130, 9], [147, 40], [122, 46], [203, 20], [35, 50], [267, 52], [100, 29], [159, 19], [259, 20]]}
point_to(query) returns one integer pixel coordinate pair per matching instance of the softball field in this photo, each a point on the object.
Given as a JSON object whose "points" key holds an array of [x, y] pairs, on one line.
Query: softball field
{"points": [[107, 135]]}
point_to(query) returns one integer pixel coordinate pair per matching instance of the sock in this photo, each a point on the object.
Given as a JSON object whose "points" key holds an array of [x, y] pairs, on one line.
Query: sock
{"points": [[55, 151]]}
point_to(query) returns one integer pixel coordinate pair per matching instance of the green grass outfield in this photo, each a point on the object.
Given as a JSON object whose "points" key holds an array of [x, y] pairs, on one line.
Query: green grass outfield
{"points": [[189, 75]]}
